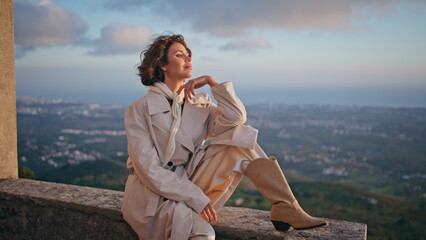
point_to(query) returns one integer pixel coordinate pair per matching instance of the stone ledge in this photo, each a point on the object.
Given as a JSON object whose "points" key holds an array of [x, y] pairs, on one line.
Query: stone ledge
{"points": [[42, 210], [243, 223]]}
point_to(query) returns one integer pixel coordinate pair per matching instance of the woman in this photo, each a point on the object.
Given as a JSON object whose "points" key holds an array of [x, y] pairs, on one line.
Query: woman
{"points": [[177, 182]]}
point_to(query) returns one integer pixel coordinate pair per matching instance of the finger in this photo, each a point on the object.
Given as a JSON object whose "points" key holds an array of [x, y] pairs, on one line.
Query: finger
{"points": [[192, 88], [203, 214], [210, 214], [184, 91], [189, 87], [187, 94], [214, 214], [193, 91], [185, 88], [208, 219]]}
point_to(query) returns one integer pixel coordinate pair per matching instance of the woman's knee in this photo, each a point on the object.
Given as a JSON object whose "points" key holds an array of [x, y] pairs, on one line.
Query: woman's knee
{"points": [[201, 229]]}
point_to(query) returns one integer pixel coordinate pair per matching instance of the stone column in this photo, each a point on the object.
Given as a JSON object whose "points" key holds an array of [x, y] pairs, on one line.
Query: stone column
{"points": [[8, 134]]}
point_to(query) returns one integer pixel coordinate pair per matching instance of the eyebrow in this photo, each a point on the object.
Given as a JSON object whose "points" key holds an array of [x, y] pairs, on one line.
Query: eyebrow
{"points": [[181, 51]]}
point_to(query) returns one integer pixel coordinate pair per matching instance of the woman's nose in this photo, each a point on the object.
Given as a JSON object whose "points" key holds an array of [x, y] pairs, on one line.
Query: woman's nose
{"points": [[188, 59]]}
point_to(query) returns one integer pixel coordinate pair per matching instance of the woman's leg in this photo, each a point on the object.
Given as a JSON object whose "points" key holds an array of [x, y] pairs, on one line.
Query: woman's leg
{"points": [[222, 169]]}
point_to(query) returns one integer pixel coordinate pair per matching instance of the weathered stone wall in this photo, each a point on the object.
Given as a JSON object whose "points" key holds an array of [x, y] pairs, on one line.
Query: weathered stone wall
{"points": [[42, 210], [8, 140]]}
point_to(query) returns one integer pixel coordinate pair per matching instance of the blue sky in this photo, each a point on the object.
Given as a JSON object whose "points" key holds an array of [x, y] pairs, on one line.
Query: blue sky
{"points": [[365, 52]]}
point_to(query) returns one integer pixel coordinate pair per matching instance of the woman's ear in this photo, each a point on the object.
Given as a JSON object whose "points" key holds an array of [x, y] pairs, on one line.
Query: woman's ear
{"points": [[162, 67]]}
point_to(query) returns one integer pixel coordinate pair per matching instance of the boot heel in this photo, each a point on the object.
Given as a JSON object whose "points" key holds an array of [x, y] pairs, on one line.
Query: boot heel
{"points": [[281, 226]]}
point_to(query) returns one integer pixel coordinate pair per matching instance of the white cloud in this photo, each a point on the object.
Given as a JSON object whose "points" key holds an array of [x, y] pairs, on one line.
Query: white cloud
{"points": [[229, 18], [43, 23], [246, 45], [120, 39]]}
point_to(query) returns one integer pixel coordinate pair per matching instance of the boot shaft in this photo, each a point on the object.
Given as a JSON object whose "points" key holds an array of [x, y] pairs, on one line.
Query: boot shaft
{"points": [[266, 174], [269, 180]]}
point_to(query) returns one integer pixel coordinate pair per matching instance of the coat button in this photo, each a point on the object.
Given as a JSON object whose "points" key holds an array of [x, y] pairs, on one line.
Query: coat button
{"points": [[169, 164]]}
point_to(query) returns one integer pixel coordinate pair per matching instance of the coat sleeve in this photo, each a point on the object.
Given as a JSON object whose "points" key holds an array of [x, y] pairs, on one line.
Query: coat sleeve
{"points": [[229, 111], [147, 165]]}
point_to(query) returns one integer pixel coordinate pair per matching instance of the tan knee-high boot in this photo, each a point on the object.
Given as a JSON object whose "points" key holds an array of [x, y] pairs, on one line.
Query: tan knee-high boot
{"points": [[268, 178]]}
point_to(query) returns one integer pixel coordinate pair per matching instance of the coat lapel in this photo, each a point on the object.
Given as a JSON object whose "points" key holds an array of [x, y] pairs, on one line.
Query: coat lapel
{"points": [[193, 118], [184, 135], [158, 104]]}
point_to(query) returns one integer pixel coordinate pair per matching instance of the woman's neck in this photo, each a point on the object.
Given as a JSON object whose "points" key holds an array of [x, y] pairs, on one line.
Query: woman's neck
{"points": [[173, 85]]}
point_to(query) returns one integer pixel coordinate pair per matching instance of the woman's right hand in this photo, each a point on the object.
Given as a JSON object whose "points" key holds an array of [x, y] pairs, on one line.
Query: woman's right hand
{"points": [[196, 83], [209, 214]]}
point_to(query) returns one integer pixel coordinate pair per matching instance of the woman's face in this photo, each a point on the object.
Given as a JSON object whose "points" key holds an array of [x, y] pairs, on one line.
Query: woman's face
{"points": [[179, 66]]}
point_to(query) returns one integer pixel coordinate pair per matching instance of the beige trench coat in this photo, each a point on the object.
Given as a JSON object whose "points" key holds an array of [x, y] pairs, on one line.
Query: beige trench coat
{"points": [[159, 200]]}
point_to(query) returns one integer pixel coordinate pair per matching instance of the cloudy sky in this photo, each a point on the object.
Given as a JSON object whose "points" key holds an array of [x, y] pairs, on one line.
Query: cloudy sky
{"points": [[364, 52]]}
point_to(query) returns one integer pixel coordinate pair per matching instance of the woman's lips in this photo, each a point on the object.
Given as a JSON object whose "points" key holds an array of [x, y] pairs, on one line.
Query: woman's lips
{"points": [[188, 67]]}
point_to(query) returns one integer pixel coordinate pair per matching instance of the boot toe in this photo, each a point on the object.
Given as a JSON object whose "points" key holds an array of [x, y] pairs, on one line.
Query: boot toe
{"points": [[315, 224]]}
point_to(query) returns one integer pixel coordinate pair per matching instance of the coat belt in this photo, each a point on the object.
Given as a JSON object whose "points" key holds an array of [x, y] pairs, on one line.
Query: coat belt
{"points": [[173, 168]]}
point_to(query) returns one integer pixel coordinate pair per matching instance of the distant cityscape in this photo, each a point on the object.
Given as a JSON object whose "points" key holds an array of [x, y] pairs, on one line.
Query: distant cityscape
{"points": [[328, 142], [347, 141], [65, 145]]}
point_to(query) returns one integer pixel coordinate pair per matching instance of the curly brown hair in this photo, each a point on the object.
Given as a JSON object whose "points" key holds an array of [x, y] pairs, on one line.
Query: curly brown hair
{"points": [[155, 56]]}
